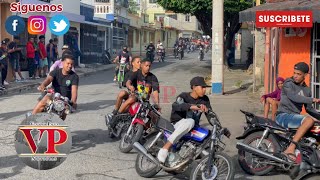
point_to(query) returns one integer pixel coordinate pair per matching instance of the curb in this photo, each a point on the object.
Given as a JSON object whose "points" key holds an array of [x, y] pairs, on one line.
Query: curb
{"points": [[33, 86]]}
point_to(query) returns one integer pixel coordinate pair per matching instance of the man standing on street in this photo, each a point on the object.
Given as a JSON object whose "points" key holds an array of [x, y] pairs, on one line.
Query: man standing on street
{"points": [[30, 57], [14, 57], [43, 56], [3, 63]]}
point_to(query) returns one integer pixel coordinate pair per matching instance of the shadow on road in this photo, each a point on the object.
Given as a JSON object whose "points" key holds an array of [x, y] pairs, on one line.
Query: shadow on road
{"points": [[11, 162], [96, 105], [242, 88], [9, 115], [82, 140]]}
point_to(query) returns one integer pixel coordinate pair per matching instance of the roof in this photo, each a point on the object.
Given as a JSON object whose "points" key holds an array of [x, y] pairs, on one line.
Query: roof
{"points": [[291, 5]]}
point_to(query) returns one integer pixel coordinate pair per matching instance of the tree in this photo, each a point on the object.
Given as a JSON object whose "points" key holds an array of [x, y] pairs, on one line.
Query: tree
{"points": [[133, 7], [202, 9]]}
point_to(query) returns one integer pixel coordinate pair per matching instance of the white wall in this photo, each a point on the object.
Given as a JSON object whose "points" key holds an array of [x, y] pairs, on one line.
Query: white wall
{"points": [[70, 6]]}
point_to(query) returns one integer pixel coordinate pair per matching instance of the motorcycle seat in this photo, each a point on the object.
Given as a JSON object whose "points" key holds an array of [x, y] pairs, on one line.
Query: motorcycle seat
{"points": [[165, 125], [265, 121]]}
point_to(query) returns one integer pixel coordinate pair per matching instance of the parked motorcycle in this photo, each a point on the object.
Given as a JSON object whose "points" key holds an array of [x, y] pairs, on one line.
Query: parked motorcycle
{"points": [[59, 105], [264, 141], [202, 145], [107, 59], [201, 54], [144, 116]]}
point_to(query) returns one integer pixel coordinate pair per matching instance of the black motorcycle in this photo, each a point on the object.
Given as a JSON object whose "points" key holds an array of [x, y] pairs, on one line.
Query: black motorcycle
{"points": [[264, 142]]}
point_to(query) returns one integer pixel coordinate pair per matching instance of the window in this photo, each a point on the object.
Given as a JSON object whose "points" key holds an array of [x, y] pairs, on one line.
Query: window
{"points": [[130, 38], [173, 16], [102, 1], [152, 1], [107, 9], [104, 9], [187, 18]]}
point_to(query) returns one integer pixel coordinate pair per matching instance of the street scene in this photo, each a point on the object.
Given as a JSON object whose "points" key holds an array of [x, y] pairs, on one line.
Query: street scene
{"points": [[160, 89]]}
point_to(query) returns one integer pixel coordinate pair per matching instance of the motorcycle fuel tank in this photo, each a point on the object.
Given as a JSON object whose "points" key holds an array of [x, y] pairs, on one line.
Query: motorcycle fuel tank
{"points": [[134, 108], [197, 134]]}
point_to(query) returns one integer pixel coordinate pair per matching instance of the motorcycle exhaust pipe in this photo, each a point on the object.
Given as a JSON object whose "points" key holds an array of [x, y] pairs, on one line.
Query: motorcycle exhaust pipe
{"points": [[143, 151], [247, 148]]}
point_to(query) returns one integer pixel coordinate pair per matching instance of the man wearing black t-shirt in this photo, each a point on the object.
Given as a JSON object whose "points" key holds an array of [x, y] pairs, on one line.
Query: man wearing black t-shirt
{"points": [[145, 83], [64, 81], [123, 56], [3, 63], [186, 113], [14, 57]]}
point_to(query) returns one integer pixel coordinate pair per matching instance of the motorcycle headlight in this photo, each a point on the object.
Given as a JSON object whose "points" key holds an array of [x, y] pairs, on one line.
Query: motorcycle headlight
{"points": [[58, 105]]}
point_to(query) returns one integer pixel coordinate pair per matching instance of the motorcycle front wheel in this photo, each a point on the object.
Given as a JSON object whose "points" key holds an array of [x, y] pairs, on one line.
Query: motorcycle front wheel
{"points": [[144, 167], [222, 168], [134, 135]]}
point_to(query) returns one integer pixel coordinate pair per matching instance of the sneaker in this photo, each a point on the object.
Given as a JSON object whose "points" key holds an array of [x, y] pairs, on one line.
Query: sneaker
{"points": [[2, 88], [162, 155], [17, 80], [114, 79], [6, 83], [37, 77]]}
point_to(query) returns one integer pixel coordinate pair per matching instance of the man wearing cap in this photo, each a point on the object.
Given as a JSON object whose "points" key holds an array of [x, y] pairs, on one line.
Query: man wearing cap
{"points": [[186, 113], [3, 63], [14, 57], [296, 94], [59, 64], [123, 56]]}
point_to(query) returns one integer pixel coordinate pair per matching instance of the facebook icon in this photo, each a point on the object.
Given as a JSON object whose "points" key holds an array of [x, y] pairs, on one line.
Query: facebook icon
{"points": [[15, 25]]}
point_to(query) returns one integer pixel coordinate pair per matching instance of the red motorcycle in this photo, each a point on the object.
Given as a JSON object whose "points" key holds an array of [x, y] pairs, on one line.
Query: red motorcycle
{"points": [[145, 116]]}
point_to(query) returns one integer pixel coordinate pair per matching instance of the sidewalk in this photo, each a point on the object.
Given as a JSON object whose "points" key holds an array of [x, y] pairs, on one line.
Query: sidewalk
{"points": [[21, 87]]}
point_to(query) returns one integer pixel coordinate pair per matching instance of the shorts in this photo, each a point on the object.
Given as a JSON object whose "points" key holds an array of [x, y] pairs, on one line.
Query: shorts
{"points": [[43, 62], [15, 64], [291, 121]]}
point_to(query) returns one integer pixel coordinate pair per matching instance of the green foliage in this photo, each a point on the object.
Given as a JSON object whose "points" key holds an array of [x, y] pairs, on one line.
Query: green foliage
{"points": [[133, 7]]}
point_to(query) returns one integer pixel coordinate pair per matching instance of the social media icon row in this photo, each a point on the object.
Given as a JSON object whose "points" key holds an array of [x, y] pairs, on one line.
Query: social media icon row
{"points": [[58, 25]]}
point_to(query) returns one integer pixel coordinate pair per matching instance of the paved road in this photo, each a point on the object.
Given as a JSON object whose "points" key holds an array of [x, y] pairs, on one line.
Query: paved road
{"points": [[94, 155]]}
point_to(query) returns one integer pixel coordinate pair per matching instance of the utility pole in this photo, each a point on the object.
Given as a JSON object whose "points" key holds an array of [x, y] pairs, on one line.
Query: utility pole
{"points": [[255, 56], [217, 47]]}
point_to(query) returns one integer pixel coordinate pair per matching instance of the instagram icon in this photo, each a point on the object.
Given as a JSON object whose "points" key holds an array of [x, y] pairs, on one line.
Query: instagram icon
{"points": [[37, 25]]}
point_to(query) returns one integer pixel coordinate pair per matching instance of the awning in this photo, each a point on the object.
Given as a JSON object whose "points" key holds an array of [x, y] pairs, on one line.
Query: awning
{"points": [[295, 5]]}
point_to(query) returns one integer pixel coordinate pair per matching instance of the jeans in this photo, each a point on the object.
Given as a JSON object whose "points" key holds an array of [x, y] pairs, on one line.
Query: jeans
{"points": [[4, 70], [31, 67], [182, 127], [291, 121]]}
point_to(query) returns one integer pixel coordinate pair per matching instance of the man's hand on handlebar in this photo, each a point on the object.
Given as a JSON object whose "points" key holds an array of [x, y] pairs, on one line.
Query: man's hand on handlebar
{"points": [[131, 88], [41, 88]]}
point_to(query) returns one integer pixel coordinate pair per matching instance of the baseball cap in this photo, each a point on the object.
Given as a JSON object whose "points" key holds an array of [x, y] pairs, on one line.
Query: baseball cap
{"points": [[65, 47], [302, 66], [198, 81]]}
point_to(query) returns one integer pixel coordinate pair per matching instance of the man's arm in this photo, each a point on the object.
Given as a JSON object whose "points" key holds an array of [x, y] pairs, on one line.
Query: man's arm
{"points": [[287, 89], [180, 105], [50, 53], [46, 82], [156, 97], [74, 95]]}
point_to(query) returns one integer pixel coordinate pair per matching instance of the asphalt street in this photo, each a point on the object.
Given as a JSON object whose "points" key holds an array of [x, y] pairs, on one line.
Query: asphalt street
{"points": [[93, 154]]}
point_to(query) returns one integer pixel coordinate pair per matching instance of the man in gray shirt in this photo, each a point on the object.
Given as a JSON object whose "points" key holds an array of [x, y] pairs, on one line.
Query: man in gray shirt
{"points": [[295, 94]]}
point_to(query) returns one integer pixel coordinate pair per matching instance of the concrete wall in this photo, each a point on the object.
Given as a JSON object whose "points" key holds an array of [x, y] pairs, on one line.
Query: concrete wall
{"points": [[246, 42], [4, 13], [70, 6], [260, 55]]}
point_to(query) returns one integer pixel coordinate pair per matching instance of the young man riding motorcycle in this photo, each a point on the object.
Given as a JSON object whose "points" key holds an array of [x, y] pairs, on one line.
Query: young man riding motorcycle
{"points": [[64, 81], [123, 94], [152, 49], [186, 113], [145, 83], [295, 94], [160, 50], [123, 56]]}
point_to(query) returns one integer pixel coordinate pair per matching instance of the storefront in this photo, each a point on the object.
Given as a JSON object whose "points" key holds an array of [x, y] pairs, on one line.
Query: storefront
{"points": [[287, 46]]}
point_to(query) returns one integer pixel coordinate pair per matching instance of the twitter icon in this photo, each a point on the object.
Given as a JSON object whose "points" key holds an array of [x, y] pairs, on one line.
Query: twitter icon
{"points": [[59, 25]]}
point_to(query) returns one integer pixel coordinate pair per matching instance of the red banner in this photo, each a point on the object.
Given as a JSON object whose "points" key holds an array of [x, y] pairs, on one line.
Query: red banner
{"points": [[284, 19]]}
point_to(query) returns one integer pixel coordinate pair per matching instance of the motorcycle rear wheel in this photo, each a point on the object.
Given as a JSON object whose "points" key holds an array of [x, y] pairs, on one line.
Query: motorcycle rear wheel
{"points": [[135, 134], [242, 155]]}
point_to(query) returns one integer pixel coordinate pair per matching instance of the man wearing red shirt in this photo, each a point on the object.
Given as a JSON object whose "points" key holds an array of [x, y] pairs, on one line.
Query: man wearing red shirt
{"points": [[43, 56], [30, 57]]}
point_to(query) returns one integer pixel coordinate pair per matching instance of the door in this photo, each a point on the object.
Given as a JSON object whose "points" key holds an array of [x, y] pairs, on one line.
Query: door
{"points": [[315, 63]]}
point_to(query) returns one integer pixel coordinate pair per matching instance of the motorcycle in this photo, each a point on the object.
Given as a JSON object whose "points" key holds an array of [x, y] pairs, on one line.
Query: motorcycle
{"points": [[201, 54], [150, 55], [59, 105], [264, 141], [175, 52], [180, 53], [107, 56], [202, 145], [161, 54], [144, 116], [121, 74]]}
